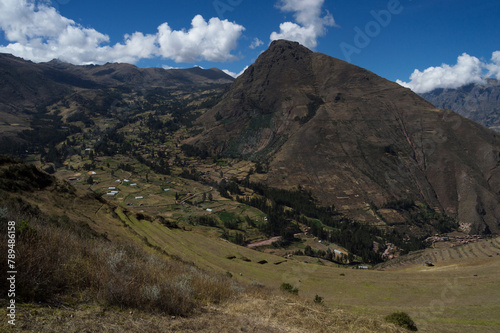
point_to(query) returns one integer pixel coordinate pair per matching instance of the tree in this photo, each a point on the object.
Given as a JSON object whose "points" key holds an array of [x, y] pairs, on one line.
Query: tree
{"points": [[239, 239], [308, 251], [259, 168], [90, 180]]}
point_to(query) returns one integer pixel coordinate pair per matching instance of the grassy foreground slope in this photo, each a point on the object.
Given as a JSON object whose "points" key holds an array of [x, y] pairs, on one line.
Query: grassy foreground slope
{"points": [[453, 296], [78, 235], [85, 266]]}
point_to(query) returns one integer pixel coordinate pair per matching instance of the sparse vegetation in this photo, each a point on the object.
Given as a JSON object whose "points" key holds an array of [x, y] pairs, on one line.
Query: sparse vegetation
{"points": [[318, 299], [312, 107], [401, 319], [58, 263], [423, 214], [289, 288]]}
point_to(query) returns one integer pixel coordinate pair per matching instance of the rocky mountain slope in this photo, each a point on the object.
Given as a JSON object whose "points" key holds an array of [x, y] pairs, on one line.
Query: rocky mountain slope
{"points": [[355, 139], [478, 102]]}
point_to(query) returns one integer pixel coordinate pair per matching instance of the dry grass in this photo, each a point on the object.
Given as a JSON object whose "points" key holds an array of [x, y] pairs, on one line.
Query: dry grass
{"points": [[56, 262], [74, 283], [252, 312]]}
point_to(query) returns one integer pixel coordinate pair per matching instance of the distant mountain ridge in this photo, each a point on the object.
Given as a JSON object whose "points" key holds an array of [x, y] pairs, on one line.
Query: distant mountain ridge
{"points": [[25, 85], [354, 139], [478, 102]]}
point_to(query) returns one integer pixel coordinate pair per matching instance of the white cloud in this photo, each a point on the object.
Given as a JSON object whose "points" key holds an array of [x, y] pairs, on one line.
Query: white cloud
{"points": [[309, 24], [494, 66], [167, 67], [256, 43], [212, 40], [468, 70], [242, 71], [228, 72], [39, 33]]}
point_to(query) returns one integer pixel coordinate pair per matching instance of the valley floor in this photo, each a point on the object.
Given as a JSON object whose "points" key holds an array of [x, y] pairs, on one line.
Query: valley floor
{"points": [[458, 294]]}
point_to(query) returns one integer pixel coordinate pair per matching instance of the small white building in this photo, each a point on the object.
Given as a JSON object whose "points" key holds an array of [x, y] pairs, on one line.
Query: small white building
{"points": [[166, 190], [126, 180], [337, 252], [134, 184], [209, 210], [111, 188], [111, 193], [139, 197]]}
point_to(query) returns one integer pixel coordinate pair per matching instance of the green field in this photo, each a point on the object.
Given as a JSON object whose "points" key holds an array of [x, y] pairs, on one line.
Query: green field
{"points": [[456, 295]]}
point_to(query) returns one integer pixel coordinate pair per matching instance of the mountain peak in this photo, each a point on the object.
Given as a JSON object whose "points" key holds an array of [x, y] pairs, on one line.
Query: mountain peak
{"points": [[284, 50], [283, 44], [351, 135], [283, 68]]}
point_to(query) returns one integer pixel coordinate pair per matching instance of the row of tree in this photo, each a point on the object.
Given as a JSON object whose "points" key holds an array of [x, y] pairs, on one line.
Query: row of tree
{"points": [[286, 210]]}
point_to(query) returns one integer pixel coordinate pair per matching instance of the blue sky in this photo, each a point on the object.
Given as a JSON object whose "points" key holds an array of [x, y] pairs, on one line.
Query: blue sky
{"points": [[449, 42]]}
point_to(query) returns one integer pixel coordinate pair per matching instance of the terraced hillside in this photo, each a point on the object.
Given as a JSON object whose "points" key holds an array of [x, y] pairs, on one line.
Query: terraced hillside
{"points": [[468, 253], [468, 273]]}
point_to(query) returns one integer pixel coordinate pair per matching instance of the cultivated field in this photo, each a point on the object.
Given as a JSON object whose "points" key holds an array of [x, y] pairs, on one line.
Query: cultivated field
{"points": [[459, 294]]}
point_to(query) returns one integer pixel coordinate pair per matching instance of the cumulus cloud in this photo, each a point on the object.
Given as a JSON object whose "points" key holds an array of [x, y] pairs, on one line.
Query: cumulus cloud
{"points": [[256, 43], [308, 25], [212, 40], [494, 66], [36, 31], [468, 70]]}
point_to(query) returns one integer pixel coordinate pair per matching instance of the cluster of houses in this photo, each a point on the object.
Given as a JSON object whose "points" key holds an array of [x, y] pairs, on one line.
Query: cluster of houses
{"points": [[391, 251], [112, 191], [454, 240], [466, 239]]}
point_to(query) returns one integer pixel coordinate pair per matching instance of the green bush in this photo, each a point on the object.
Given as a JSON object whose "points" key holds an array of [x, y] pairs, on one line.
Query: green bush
{"points": [[401, 319], [289, 288], [318, 299]]}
